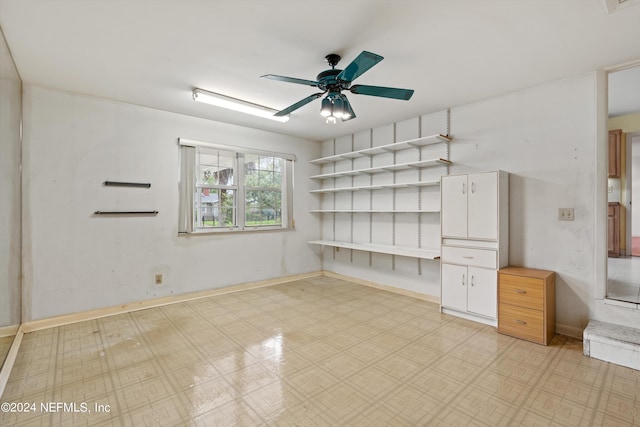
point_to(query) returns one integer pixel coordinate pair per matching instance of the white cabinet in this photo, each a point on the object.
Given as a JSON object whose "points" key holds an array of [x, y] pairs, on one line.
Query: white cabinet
{"points": [[469, 289], [471, 203], [454, 203], [474, 244]]}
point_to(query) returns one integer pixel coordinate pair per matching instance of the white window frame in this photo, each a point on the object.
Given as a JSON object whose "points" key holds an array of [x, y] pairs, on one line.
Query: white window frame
{"points": [[188, 185]]}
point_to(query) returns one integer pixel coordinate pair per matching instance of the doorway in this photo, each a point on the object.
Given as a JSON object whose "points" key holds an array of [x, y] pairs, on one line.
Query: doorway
{"points": [[623, 186]]}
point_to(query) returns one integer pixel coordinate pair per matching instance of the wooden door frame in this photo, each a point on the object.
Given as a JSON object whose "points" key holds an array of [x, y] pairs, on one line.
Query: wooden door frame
{"points": [[628, 187]]}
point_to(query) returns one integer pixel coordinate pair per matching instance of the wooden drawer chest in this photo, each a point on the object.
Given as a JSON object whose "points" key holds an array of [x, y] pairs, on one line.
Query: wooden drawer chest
{"points": [[526, 304]]}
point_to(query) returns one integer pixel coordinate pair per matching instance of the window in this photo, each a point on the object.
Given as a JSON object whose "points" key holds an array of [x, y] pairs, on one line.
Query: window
{"points": [[225, 188]]}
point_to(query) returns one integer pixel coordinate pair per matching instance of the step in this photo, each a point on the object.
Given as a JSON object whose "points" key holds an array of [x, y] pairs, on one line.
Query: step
{"points": [[612, 343]]}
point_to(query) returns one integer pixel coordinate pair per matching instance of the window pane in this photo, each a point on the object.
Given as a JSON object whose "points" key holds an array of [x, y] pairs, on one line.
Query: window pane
{"points": [[263, 171], [263, 208], [216, 167], [215, 208]]}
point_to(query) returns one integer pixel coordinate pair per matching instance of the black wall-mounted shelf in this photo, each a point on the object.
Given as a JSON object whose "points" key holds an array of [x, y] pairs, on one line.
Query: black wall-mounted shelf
{"points": [[126, 212], [127, 184]]}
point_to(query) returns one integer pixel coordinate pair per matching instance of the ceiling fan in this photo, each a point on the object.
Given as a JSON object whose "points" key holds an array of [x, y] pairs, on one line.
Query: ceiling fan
{"points": [[336, 105]]}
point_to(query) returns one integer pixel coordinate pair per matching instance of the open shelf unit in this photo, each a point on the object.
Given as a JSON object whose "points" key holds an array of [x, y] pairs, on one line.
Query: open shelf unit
{"points": [[386, 168], [390, 167], [373, 211], [417, 142], [377, 187], [382, 249]]}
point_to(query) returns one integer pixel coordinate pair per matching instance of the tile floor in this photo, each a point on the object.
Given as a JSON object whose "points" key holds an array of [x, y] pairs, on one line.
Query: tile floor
{"points": [[317, 352]]}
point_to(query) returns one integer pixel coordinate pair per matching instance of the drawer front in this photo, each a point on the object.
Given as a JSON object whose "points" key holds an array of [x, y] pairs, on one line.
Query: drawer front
{"points": [[468, 256], [521, 322], [521, 291]]}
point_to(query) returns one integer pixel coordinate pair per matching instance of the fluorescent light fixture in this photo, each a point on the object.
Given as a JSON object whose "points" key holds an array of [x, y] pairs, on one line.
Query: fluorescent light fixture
{"points": [[235, 104]]}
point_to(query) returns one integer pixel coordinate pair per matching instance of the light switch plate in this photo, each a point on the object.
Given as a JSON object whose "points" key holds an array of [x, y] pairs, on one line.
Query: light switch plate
{"points": [[565, 214]]}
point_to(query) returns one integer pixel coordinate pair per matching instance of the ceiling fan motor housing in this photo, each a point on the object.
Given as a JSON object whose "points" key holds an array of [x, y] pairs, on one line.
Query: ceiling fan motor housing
{"points": [[327, 80]]}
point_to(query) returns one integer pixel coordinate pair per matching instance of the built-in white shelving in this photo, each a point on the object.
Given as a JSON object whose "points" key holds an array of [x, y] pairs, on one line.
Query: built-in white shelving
{"points": [[377, 187], [383, 249], [386, 168], [417, 142], [418, 165], [372, 211]]}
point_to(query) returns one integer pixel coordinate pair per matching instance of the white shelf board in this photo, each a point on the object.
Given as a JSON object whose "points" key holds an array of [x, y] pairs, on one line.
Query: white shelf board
{"points": [[383, 249], [411, 143], [377, 187], [371, 211], [386, 168]]}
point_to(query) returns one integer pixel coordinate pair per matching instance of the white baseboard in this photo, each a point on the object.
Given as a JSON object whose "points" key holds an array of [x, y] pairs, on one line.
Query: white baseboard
{"points": [[569, 331], [405, 292], [9, 331]]}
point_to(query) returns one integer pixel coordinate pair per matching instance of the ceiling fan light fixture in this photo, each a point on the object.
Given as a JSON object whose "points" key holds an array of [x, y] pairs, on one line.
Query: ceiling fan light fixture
{"points": [[327, 107], [345, 108], [235, 104]]}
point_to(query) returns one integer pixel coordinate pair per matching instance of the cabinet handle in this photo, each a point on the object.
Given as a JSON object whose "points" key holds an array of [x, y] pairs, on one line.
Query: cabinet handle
{"points": [[464, 188], [521, 291], [473, 187], [467, 257], [472, 280], [463, 280], [521, 322]]}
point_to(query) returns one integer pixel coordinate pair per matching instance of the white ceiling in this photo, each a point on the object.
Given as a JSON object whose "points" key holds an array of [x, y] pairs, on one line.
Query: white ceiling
{"points": [[451, 52]]}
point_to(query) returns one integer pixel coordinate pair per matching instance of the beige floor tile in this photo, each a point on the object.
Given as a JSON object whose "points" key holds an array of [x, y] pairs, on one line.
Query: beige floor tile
{"points": [[234, 413], [301, 415], [341, 403], [316, 352], [204, 397]]}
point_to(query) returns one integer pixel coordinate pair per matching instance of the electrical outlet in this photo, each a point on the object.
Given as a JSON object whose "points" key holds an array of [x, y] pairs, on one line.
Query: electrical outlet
{"points": [[158, 279], [565, 214]]}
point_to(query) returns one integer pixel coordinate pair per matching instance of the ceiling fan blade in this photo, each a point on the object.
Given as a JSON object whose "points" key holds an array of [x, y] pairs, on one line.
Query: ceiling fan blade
{"points": [[359, 66], [385, 92], [298, 104], [290, 80]]}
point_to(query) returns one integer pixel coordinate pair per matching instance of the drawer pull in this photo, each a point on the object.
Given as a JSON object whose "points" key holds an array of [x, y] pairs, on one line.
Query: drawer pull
{"points": [[467, 257], [521, 322], [521, 291]]}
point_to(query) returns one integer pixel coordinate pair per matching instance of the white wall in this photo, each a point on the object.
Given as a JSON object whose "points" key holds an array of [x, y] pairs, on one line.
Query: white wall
{"points": [[545, 138], [76, 261], [10, 115]]}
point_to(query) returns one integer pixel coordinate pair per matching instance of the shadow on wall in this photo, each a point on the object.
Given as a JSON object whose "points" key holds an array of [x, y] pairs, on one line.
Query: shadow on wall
{"points": [[538, 239]]}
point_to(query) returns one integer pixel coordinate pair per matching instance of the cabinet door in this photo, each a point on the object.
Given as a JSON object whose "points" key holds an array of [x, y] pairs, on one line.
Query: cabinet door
{"points": [[482, 294], [483, 206], [613, 233], [454, 206], [454, 287], [615, 139]]}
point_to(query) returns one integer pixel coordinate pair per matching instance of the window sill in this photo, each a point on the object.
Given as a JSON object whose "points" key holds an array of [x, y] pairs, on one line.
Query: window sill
{"points": [[236, 231]]}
